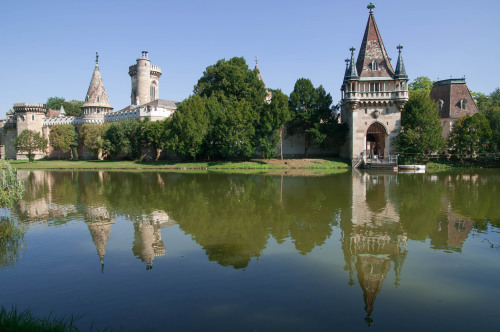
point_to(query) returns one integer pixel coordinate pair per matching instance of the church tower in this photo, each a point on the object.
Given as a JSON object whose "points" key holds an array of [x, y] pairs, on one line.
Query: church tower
{"points": [[373, 95], [96, 103], [145, 81]]}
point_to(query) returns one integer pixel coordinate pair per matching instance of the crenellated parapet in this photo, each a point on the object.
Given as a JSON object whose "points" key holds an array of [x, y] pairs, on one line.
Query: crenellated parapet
{"points": [[30, 107], [155, 70]]}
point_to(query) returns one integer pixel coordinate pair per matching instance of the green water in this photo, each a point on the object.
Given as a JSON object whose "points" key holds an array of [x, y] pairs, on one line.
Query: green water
{"points": [[229, 252]]}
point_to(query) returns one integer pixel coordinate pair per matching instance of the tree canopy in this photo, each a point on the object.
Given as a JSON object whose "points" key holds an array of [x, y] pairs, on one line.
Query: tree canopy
{"points": [[470, 136], [63, 137], [421, 129], [92, 138], [309, 108], [54, 103], [30, 141], [421, 84]]}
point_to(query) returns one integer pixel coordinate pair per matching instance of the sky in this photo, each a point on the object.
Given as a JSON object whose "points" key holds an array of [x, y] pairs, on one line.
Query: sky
{"points": [[48, 47]]}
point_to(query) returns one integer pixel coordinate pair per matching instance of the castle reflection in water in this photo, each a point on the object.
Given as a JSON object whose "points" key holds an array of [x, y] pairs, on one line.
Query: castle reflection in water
{"points": [[232, 217]]}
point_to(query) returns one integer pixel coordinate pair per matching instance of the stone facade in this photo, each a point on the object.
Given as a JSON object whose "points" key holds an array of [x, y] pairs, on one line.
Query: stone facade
{"points": [[96, 108], [454, 100], [373, 95]]}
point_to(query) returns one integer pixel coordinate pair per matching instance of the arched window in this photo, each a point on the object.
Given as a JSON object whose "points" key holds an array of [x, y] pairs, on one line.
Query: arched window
{"points": [[153, 92], [440, 104], [463, 104], [375, 65]]}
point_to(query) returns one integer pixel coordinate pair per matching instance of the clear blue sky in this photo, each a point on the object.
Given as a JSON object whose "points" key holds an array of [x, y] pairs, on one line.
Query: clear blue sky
{"points": [[48, 47]]}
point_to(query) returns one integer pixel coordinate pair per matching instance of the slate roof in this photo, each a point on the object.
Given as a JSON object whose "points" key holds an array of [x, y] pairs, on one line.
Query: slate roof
{"points": [[96, 94], [451, 92], [372, 48]]}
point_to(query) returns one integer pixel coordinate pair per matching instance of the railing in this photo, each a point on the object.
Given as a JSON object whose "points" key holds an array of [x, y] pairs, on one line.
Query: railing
{"points": [[356, 162]]}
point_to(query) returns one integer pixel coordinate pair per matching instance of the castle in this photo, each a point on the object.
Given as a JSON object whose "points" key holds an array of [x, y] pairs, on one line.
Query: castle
{"points": [[373, 95], [96, 109]]}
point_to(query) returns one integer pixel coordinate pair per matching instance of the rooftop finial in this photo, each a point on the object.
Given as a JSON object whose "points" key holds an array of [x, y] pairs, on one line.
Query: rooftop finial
{"points": [[370, 7], [96, 58], [347, 62], [256, 60], [399, 47], [352, 49]]}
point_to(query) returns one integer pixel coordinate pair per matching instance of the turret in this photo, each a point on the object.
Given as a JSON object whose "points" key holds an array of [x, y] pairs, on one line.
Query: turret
{"points": [[96, 101], [145, 80]]}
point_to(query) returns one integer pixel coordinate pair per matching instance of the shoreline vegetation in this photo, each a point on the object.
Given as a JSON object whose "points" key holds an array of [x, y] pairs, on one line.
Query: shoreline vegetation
{"points": [[15, 320], [253, 165]]}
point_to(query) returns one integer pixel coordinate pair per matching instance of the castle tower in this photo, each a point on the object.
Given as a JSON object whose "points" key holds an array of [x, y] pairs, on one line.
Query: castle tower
{"points": [[29, 116], [96, 103], [145, 81], [269, 95], [373, 95]]}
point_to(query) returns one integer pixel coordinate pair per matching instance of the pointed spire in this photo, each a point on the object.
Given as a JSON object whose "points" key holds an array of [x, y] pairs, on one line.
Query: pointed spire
{"points": [[352, 73], [346, 70], [61, 111], [400, 67], [96, 94], [372, 59]]}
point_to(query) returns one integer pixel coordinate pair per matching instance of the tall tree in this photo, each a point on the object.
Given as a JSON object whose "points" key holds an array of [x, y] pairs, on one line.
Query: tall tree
{"points": [[309, 107], [421, 129], [157, 133], [122, 138], [470, 136], [63, 137], [92, 138], [235, 99], [30, 141], [190, 126], [272, 124], [421, 84]]}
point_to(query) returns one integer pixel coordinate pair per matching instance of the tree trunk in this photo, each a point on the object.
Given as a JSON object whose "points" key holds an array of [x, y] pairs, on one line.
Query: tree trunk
{"points": [[281, 142], [306, 144]]}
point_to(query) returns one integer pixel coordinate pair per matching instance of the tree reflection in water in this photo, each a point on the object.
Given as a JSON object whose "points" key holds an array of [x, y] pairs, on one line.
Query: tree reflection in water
{"points": [[232, 217]]}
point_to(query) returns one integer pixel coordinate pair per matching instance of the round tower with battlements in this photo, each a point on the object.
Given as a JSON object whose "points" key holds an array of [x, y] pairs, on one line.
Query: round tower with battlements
{"points": [[145, 80]]}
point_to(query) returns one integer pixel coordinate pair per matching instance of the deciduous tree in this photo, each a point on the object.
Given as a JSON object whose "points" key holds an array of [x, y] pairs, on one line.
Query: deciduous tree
{"points": [[421, 129], [470, 136], [30, 141], [92, 138], [63, 137], [190, 126], [309, 107]]}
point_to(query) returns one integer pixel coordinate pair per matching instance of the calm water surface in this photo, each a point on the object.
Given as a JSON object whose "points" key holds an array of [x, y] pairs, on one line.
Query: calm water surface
{"points": [[225, 252]]}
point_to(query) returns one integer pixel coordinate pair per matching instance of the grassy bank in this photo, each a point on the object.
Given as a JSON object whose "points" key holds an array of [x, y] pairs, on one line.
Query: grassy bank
{"points": [[14, 320], [255, 164], [449, 164]]}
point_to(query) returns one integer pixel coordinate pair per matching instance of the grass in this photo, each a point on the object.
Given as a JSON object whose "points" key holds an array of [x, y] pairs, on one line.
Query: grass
{"points": [[260, 164], [14, 320]]}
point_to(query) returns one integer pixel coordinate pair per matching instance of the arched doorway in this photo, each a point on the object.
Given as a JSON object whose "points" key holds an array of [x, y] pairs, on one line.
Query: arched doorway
{"points": [[375, 141]]}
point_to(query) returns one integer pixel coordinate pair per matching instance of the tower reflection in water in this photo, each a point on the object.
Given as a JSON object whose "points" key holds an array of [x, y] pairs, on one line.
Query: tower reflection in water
{"points": [[373, 237]]}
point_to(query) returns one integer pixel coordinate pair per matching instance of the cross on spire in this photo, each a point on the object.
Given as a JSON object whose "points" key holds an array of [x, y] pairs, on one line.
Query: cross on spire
{"points": [[370, 7], [399, 47], [352, 49], [96, 58], [256, 60], [346, 61]]}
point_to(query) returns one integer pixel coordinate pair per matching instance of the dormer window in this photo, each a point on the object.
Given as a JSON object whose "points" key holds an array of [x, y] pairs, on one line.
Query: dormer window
{"points": [[374, 65], [463, 104], [440, 104]]}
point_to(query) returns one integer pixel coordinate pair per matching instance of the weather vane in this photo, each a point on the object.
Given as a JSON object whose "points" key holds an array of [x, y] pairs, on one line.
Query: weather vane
{"points": [[370, 7]]}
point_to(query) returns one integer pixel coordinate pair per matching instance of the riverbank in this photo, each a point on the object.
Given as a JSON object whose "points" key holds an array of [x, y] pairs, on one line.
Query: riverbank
{"points": [[254, 164]]}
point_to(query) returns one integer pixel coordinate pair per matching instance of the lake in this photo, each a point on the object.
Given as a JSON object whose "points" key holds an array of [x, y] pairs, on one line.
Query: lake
{"points": [[259, 252]]}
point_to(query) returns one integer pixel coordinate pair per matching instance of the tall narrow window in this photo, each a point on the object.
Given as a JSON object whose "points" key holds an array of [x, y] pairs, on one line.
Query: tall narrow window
{"points": [[374, 65]]}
